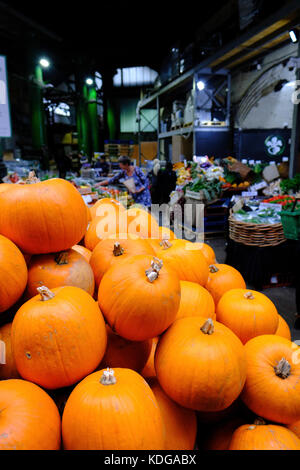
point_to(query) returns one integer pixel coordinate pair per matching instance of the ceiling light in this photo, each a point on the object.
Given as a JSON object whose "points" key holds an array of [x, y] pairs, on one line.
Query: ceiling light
{"points": [[200, 85], [293, 36], [89, 81], [44, 63]]}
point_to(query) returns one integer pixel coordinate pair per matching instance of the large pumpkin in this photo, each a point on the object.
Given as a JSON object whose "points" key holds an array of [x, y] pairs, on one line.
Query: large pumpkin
{"points": [[58, 337], [195, 301], [9, 369], [262, 436], [139, 297], [164, 234], [44, 217], [283, 329], [200, 364], [247, 313], [13, 273], [123, 353], [223, 278], [272, 388], [189, 263], [6, 186], [208, 252], [141, 223], [67, 268], [29, 417], [112, 410], [105, 201], [110, 251], [83, 251], [180, 423]]}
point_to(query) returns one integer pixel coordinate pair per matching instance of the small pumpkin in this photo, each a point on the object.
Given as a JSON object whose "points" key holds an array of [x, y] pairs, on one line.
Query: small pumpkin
{"points": [[262, 436], [9, 369], [247, 313], [58, 337], [143, 300], [13, 273], [95, 211], [223, 278], [195, 301], [141, 223], [283, 329], [83, 251], [180, 423], [67, 268], [111, 221], [29, 417], [200, 364], [112, 409], [272, 388]]}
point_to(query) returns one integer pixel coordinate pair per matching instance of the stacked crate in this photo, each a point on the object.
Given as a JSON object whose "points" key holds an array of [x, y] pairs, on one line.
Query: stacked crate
{"points": [[117, 148]]}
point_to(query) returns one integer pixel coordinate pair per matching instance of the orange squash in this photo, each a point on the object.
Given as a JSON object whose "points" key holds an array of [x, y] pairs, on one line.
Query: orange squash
{"points": [[13, 273], [5, 187], [149, 370], [283, 329], [195, 301], [223, 278], [112, 409], [247, 313], [44, 217], [208, 252], [83, 251], [29, 417], [141, 223], [272, 388], [105, 201], [9, 369], [180, 423], [139, 297], [58, 337], [67, 268], [111, 221], [200, 364]]}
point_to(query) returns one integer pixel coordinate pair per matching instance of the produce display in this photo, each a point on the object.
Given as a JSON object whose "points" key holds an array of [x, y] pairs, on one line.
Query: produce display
{"points": [[123, 337]]}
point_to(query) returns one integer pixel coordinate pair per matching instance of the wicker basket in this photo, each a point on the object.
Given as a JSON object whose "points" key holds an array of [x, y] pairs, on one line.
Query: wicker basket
{"points": [[260, 235]]}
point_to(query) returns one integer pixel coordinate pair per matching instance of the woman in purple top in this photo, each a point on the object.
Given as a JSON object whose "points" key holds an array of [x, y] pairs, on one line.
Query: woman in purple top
{"points": [[142, 193]]}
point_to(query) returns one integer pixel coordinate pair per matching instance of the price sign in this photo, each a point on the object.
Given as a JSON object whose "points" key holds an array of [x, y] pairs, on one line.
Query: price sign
{"points": [[5, 124]]}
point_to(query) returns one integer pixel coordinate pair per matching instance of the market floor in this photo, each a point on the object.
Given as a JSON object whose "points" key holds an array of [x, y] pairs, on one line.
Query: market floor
{"points": [[283, 297]]}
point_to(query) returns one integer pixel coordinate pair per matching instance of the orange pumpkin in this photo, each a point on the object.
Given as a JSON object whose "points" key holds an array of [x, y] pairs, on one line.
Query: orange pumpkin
{"points": [[208, 252], [180, 423], [105, 201], [13, 273], [67, 268], [143, 298], [29, 417], [200, 364], [112, 409], [223, 278], [83, 251], [189, 263], [272, 388], [111, 251], [141, 223], [262, 436], [295, 428], [195, 301], [123, 353], [44, 217], [5, 187], [247, 313], [283, 329], [166, 233], [149, 370], [9, 369], [110, 222], [58, 337]]}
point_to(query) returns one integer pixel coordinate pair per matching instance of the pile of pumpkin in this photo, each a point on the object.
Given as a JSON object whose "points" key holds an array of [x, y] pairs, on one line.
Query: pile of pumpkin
{"points": [[119, 336]]}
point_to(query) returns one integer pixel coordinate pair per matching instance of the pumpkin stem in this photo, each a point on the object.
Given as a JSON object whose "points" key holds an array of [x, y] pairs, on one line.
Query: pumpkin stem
{"points": [[213, 268], [118, 250], [62, 258], [257, 422], [32, 178], [165, 244], [283, 369], [45, 293], [249, 296], [153, 272], [208, 327], [108, 377], [2, 352]]}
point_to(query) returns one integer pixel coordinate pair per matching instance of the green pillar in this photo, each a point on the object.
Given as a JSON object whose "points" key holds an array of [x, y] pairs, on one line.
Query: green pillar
{"points": [[37, 110], [93, 119], [111, 121], [82, 127]]}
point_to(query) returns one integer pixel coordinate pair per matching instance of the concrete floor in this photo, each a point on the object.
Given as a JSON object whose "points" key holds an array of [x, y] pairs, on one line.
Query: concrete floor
{"points": [[283, 297]]}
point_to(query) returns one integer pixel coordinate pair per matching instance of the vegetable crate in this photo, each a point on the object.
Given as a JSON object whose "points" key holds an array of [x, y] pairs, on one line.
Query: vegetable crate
{"points": [[291, 224]]}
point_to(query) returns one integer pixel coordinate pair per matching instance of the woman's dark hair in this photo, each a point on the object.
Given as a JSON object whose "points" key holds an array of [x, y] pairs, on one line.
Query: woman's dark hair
{"points": [[124, 160], [169, 166]]}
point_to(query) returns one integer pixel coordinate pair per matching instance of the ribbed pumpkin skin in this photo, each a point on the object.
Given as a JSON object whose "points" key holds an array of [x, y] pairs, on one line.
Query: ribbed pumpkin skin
{"points": [[135, 308], [180, 423], [113, 202], [13, 273], [9, 369], [283, 329], [29, 417], [188, 263], [200, 371], [208, 252], [149, 370], [45, 217], [267, 395], [247, 313], [264, 437], [227, 278], [48, 270], [141, 223], [123, 353], [59, 341], [195, 301], [122, 416], [103, 256], [83, 251]]}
